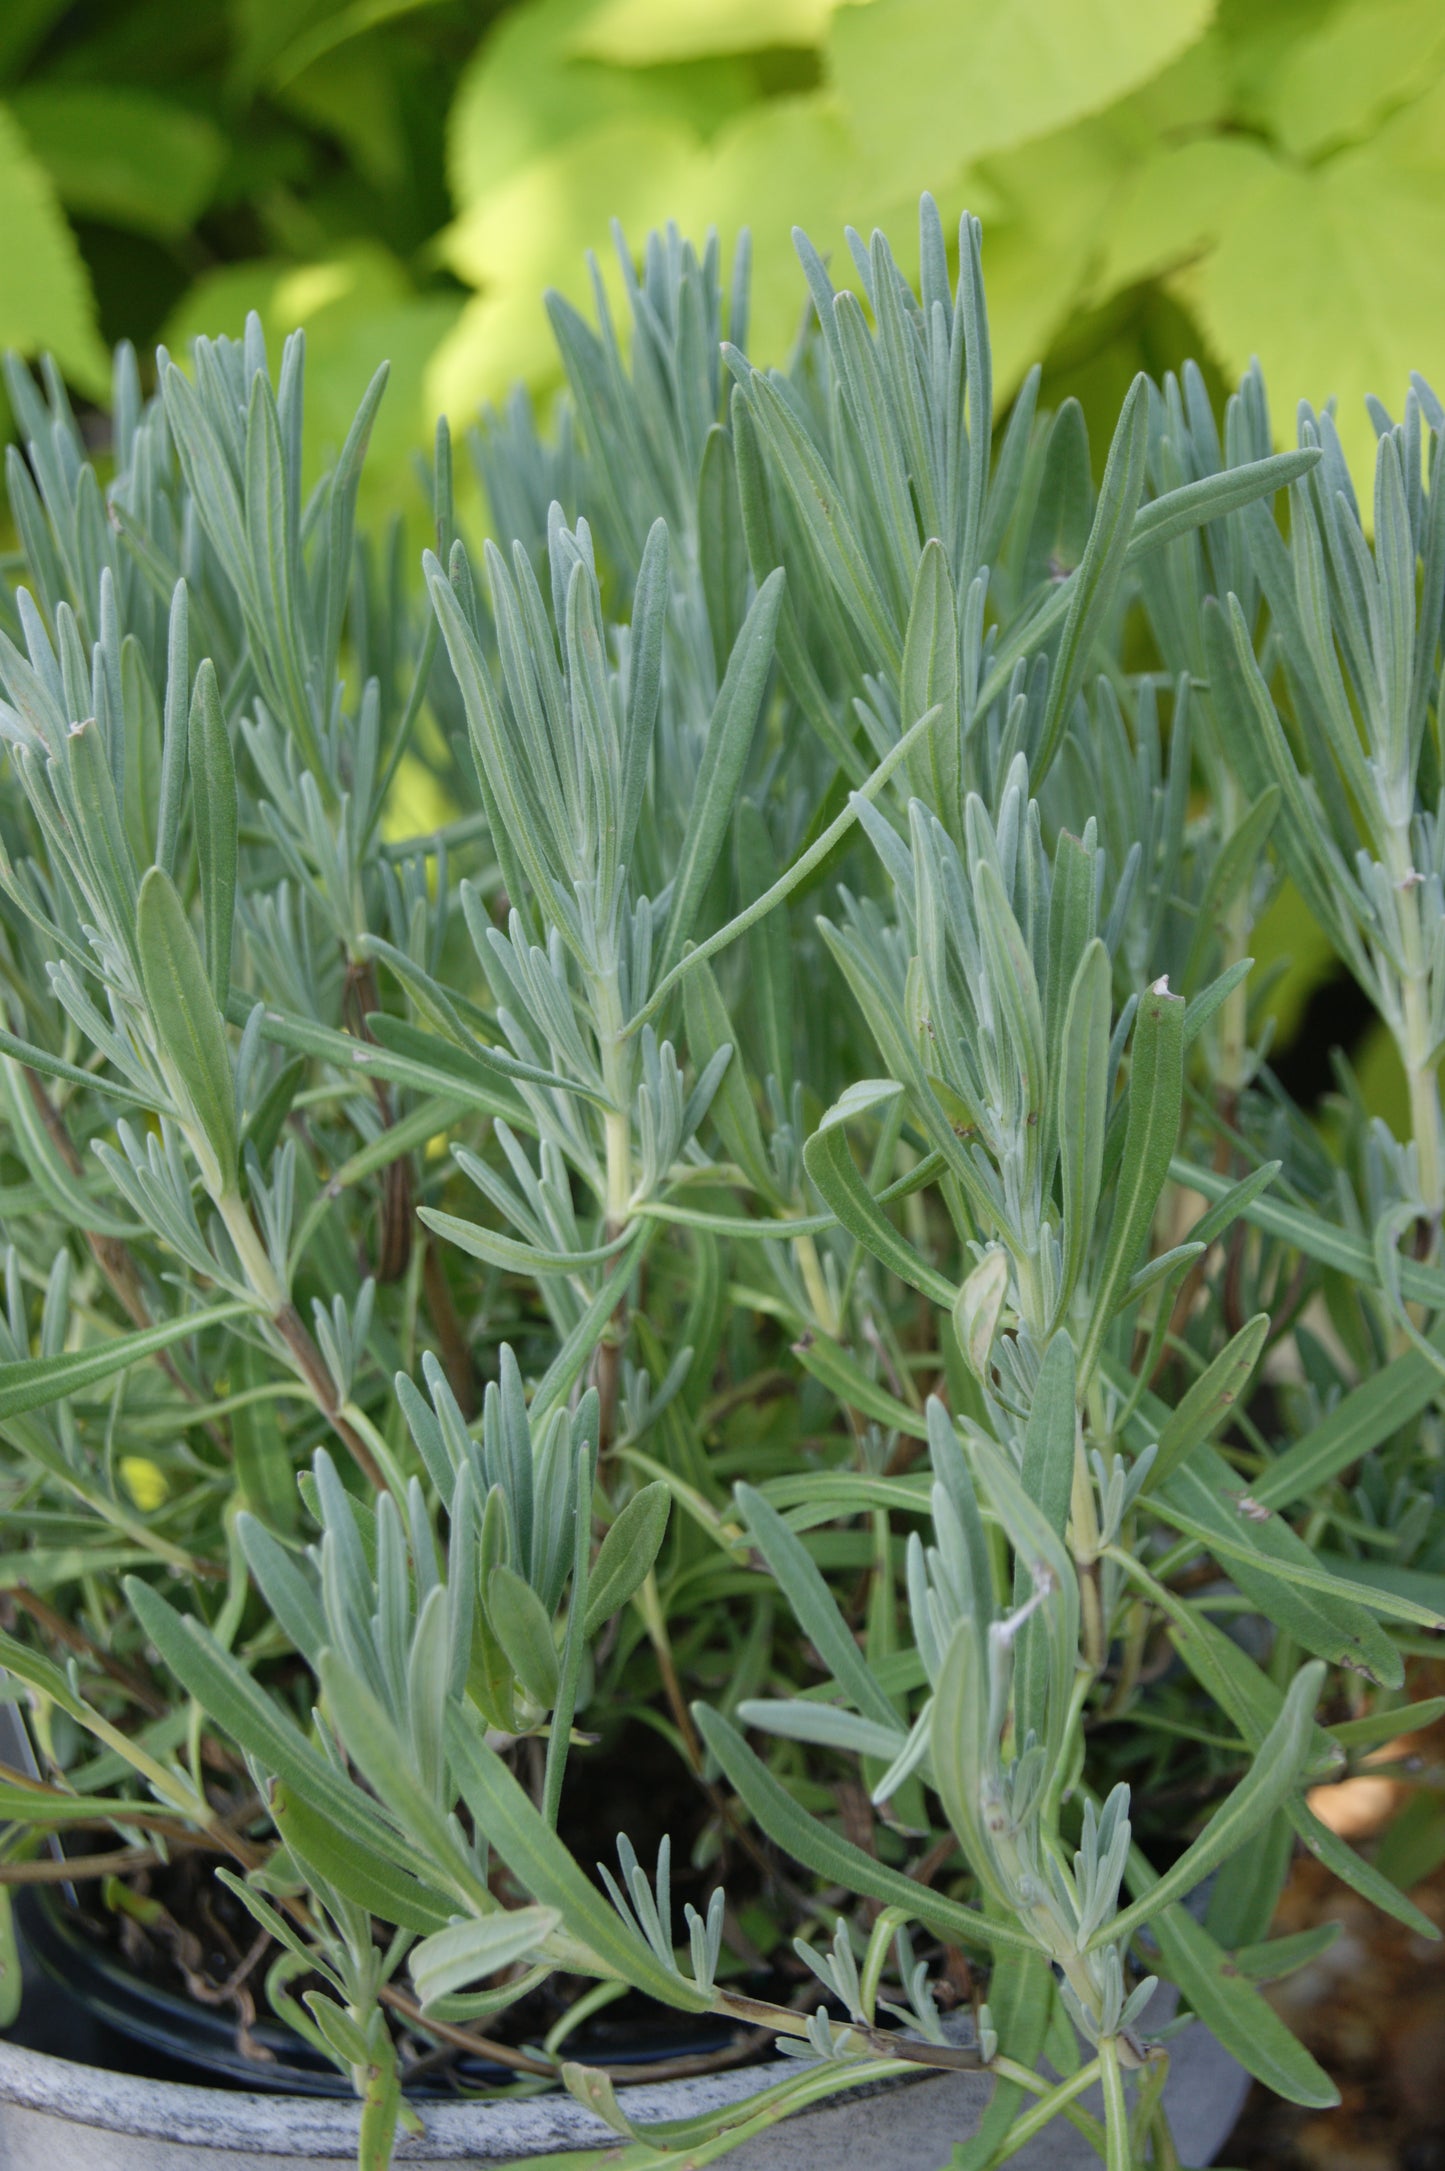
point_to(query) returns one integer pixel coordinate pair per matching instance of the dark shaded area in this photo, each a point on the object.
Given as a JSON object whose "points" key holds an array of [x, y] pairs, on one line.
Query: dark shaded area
{"points": [[84, 2000], [1338, 1014]]}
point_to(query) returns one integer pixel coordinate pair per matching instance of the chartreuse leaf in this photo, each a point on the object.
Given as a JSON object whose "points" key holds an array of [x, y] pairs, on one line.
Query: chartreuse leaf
{"points": [[819, 1848], [452, 1958], [187, 1021], [1156, 1093], [45, 301], [1275, 1774], [638, 33], [123, 154], [919, 80], [1252, 295], [625, 1557], [831, 1167]]}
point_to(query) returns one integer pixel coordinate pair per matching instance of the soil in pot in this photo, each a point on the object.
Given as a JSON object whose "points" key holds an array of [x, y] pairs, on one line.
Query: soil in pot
{"points": [[165, 1975]]}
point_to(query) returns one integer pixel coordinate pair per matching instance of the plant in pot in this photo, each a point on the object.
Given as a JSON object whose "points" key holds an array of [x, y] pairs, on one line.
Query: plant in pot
{"points": [[750, 1286]]}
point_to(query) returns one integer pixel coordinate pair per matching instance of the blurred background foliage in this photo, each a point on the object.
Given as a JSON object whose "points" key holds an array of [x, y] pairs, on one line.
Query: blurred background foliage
{"points": [[1157, 178]]}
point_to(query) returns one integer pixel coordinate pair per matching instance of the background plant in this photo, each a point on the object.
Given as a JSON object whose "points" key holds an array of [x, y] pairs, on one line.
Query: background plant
{"points": [[814, 1081], [1159, 181]]}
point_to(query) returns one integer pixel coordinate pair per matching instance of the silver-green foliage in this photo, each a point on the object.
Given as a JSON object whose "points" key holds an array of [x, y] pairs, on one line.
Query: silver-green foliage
{"points": [[832, 975]]}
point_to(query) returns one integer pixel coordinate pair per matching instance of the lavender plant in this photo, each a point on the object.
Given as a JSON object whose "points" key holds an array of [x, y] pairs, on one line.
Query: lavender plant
{"points": [[775, 1221]]}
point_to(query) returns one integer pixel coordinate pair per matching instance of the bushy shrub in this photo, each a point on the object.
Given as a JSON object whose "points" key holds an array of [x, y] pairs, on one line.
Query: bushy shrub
{"points": [[775, 1222]]}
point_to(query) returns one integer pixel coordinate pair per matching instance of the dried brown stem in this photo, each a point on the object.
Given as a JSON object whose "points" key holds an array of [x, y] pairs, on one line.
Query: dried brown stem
{"points": [[68, 1869], [292, 1329], [112, 1254], [398, 1203], [607, 1372], [521, 2061], [75, 1639], [456, 1352]]}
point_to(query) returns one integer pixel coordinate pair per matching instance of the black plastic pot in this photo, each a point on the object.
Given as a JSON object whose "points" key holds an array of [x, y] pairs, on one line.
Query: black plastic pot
{"points": [[100, 2076], [83, 2001]]}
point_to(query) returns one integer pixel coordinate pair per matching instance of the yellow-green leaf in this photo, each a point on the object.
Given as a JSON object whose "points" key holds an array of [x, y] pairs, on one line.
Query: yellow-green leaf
{"points": [[1327, 274], [45, 297], [123, 155], [933, 84], [1351, 66], [637, 33]]}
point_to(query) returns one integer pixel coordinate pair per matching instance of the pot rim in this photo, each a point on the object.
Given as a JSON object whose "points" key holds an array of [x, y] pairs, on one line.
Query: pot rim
{"points": [[496, 2131], [282, 2125]]}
